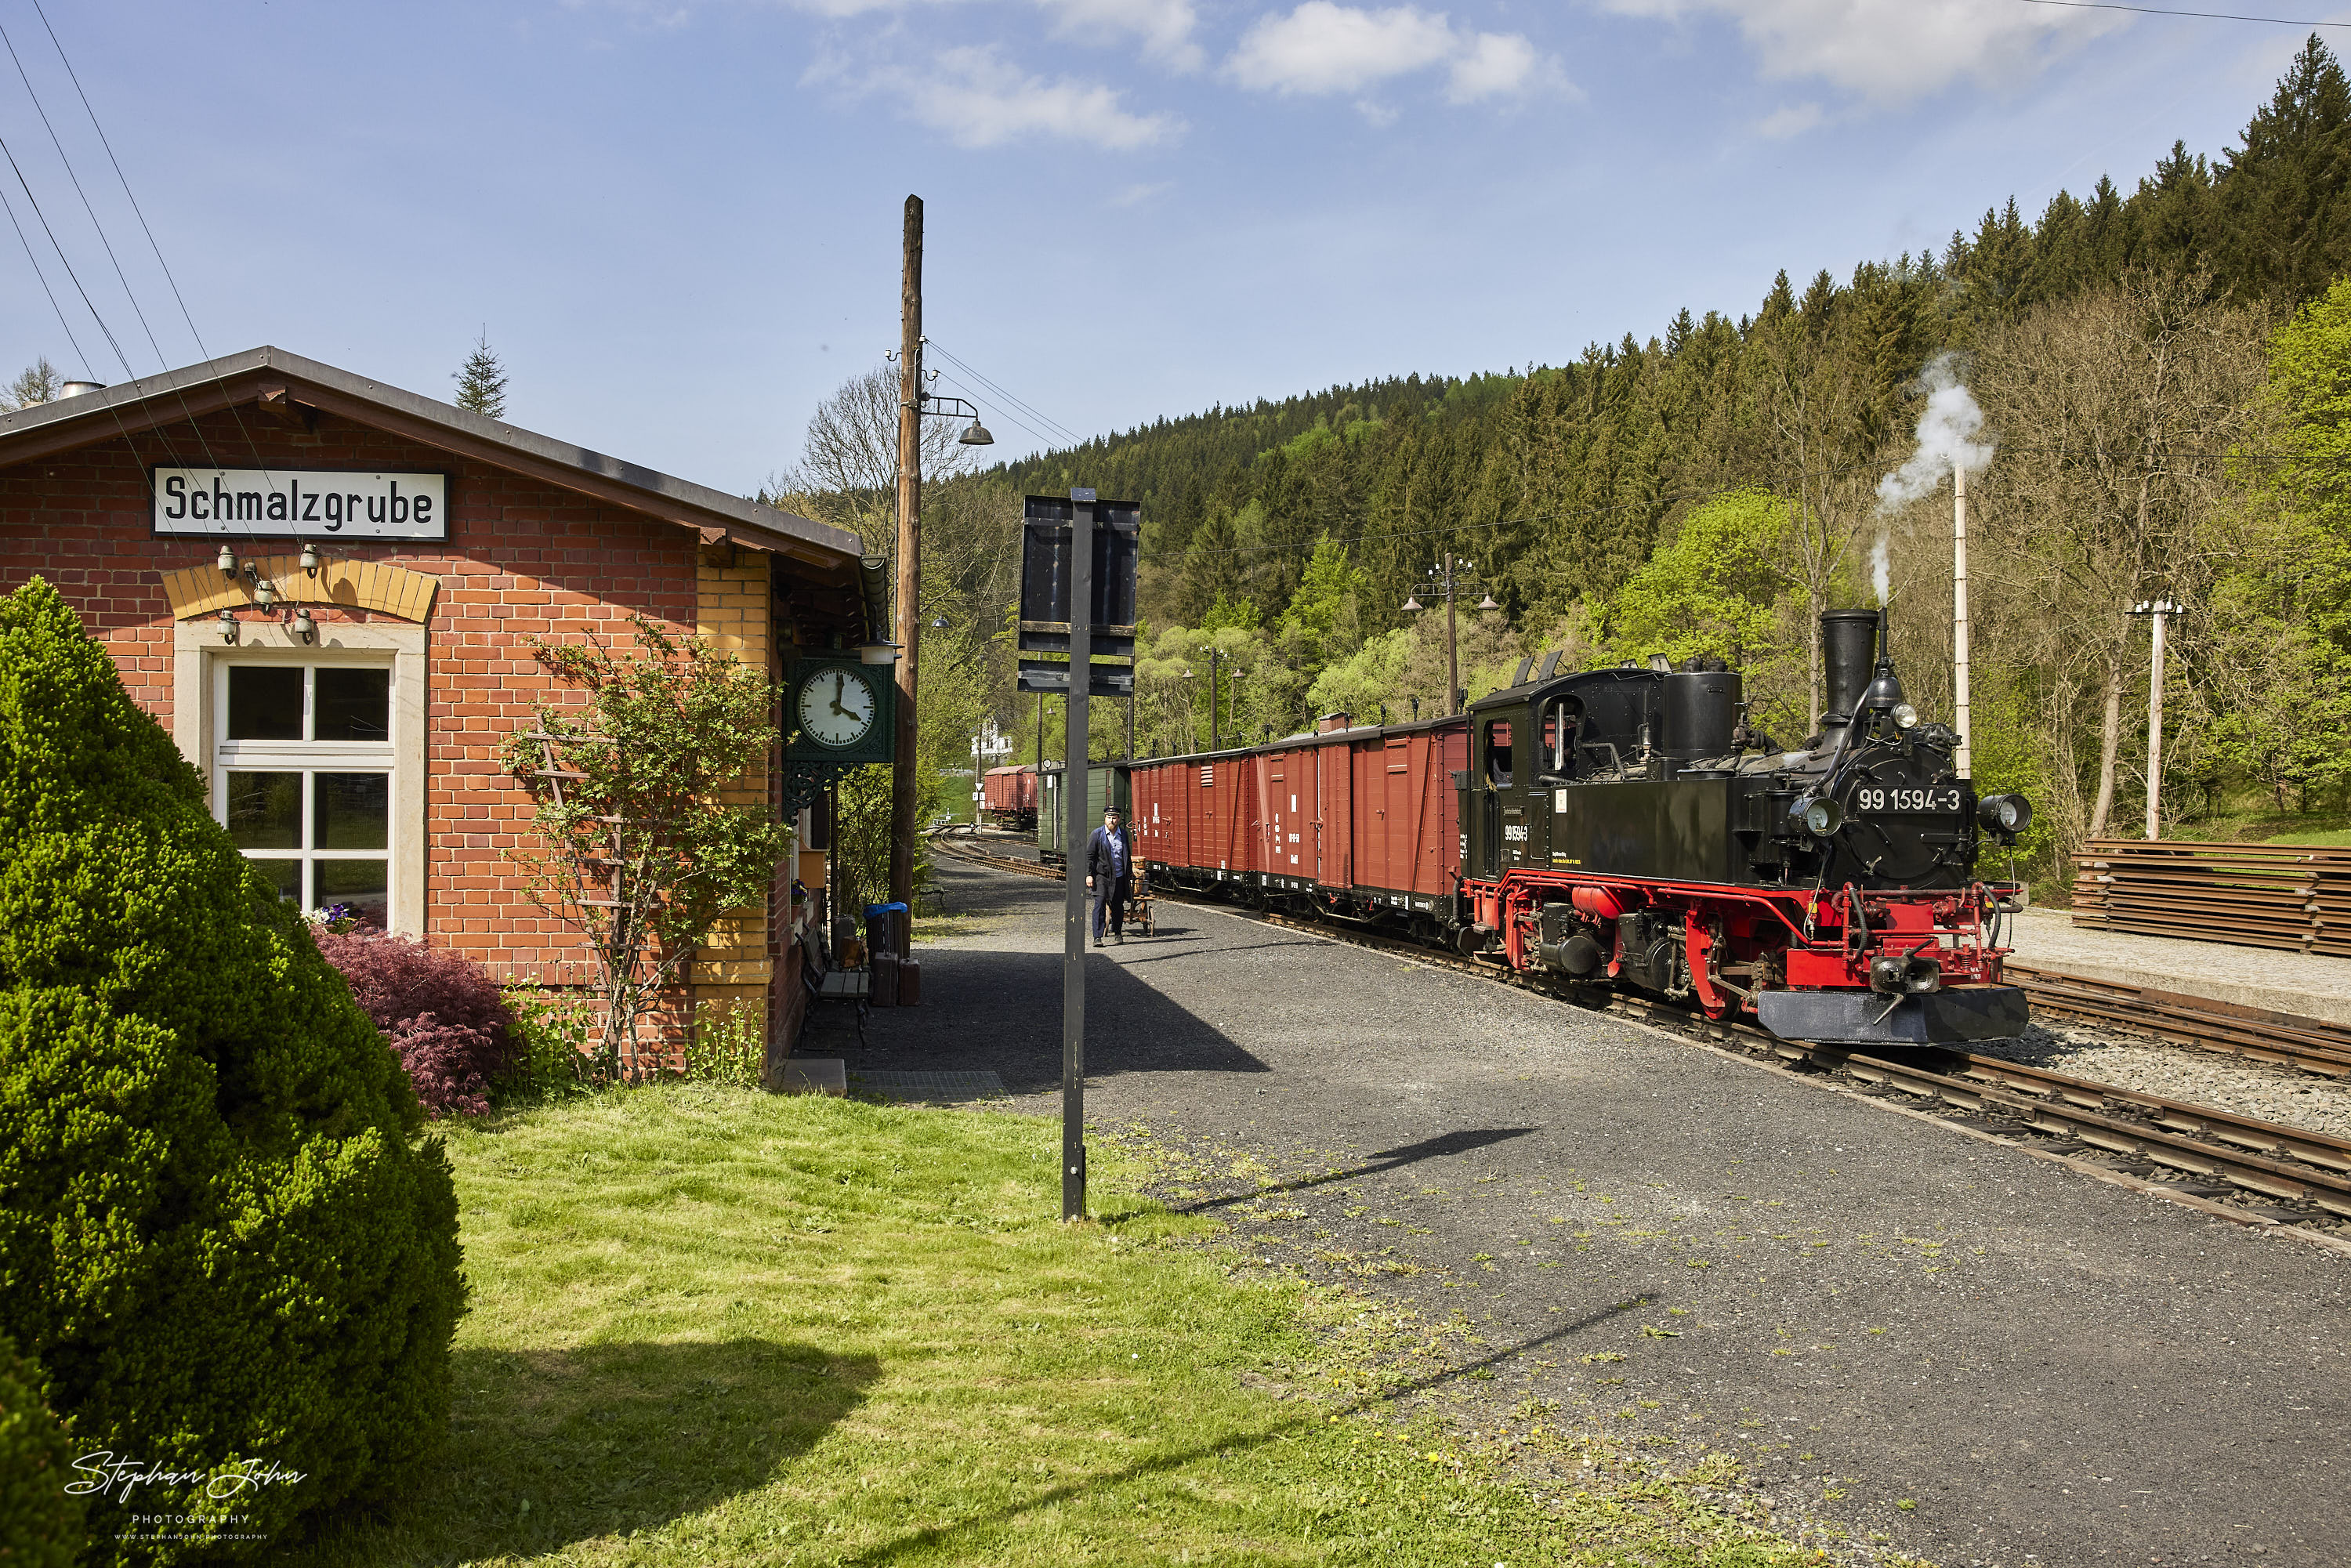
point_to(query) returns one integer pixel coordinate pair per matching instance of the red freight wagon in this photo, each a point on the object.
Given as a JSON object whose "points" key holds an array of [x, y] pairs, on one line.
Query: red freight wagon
{"points": [[1160, 835], [1406, 832], [1008, 797], [1224, 823], [1289, 853], [1364, 819]]}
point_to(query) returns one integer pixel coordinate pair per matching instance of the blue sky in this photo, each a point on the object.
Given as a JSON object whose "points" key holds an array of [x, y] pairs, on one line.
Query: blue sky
{"points": [[679, 220]]}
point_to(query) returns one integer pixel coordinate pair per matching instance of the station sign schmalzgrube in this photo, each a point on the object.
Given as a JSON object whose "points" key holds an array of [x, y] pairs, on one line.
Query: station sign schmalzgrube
{"points": [[301, 503]]}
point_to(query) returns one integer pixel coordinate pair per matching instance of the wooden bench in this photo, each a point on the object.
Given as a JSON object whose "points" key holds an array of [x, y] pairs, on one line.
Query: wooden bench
{"points": [[851, 987]]}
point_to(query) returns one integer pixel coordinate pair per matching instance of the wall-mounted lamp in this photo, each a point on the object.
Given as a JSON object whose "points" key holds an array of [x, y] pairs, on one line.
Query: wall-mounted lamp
{"points": [[228, 561], [228, 626], [309, 557], [878, 653], [303, 626]]}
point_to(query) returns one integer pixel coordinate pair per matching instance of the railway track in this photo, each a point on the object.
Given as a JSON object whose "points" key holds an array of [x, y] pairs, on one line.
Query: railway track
{"points": [[2286, 1040], [2220, 1152]]}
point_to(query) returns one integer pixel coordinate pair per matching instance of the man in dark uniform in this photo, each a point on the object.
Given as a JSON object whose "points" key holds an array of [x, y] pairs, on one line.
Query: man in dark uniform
{"points": [[1109, 873]]}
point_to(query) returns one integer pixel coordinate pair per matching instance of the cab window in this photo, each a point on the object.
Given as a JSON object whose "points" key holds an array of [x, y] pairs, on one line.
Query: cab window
{"points": [[1498, 753]]}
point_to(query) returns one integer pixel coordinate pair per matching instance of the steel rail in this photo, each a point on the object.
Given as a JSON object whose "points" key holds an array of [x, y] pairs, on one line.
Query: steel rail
{"points": [[2285, 1040], [2291, 1164]]}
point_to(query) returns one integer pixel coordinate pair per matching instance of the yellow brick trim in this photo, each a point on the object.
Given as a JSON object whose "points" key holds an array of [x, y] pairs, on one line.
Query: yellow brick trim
{"points": [[350, 584]]}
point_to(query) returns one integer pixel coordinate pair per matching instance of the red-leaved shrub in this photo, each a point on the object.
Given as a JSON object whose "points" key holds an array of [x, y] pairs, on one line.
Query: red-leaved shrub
{"points": [[440, 1009]]}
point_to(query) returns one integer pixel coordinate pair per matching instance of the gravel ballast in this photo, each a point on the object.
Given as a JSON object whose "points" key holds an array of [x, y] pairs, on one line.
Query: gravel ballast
{"points": [[1972, 1355]]}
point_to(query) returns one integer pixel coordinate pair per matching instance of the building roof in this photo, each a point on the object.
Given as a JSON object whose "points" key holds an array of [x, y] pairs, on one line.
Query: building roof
{"points": [[286, 382]]}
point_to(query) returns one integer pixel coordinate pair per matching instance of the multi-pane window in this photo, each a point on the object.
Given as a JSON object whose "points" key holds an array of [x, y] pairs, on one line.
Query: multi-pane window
{"points": [[302, 779]]}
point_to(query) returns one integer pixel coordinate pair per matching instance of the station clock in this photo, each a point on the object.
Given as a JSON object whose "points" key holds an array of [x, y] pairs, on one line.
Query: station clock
{"points": [[842, 712]]}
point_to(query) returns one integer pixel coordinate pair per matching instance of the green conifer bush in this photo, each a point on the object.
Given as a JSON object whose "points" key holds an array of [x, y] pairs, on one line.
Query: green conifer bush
{"points": [[222, 1232], [40, 1521]]}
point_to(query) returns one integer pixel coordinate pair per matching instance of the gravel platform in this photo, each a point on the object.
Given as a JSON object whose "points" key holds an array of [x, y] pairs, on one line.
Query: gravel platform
{"points": [[2307, 983], [1976, 1356]]}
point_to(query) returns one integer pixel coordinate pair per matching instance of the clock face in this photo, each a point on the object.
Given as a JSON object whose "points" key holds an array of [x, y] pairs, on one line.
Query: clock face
{"points": [[836, 708]]}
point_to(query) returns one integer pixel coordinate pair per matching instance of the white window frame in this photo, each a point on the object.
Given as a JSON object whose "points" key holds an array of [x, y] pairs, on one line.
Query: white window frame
{"points": [[200, 709], [308, 759]]}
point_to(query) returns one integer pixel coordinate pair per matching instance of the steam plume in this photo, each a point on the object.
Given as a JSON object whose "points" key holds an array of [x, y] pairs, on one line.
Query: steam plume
{"points": [[1947, 428]]}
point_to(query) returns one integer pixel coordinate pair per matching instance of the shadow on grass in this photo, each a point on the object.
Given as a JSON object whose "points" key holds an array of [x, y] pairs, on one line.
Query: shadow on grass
{"points": [[550, 1447]]}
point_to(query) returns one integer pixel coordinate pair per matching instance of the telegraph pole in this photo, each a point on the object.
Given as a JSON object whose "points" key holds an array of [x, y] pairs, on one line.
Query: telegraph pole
{"points": [[910, 556]]}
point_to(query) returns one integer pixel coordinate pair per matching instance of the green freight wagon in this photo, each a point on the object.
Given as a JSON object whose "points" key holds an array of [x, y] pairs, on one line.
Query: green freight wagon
{"points": [[1106, 786]]}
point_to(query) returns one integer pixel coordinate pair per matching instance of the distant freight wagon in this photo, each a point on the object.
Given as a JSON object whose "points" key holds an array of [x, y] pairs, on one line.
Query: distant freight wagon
{"points": [[1008, 799]]}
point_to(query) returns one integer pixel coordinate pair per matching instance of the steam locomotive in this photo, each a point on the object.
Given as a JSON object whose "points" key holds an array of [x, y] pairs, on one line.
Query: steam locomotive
{"points": [[1627, 827]]}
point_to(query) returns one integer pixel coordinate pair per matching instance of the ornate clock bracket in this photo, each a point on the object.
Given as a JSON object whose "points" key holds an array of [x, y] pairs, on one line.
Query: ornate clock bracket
{"points": [[805, 781]]}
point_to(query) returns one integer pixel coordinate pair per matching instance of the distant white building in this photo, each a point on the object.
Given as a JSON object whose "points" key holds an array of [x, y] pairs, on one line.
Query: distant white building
{"points": [[990, 743]]}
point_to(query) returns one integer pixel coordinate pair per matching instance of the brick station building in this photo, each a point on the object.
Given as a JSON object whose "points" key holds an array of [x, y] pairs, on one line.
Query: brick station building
{"points": [[363, 760]]}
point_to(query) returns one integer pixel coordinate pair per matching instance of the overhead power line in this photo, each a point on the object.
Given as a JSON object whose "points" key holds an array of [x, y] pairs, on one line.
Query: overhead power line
{"points": [[2164, 11]]}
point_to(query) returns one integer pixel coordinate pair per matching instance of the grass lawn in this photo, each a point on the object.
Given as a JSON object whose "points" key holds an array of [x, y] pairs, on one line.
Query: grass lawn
{"points": [[715, 1327]]}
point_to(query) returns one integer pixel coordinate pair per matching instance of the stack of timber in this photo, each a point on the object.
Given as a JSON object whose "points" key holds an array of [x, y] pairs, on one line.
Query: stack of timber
{"points": [[2257, 896]]}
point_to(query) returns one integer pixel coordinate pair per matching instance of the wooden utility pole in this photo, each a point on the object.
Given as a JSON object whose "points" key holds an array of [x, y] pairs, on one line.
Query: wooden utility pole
{"points": [[910, 556]]}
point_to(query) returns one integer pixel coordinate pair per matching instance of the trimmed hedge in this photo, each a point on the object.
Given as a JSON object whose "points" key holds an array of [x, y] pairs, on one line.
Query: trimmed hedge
{"points": [[40, 1521], [222, 1233]]}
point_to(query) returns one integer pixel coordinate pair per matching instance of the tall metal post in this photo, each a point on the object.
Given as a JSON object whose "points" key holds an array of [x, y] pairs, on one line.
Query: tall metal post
{"points": [[1452, 646], [910, 560], [1130, 694], [1960, 610], [1076, 828], [1216, 732]]}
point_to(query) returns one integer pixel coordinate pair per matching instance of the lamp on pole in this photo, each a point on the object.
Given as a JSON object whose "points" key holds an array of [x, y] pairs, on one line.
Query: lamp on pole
{"points": [[913, 398], [2157, 610], [1445, 578], [1216, 731]]}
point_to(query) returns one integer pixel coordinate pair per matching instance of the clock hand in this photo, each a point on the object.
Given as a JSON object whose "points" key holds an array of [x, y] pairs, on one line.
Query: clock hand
{"points": [[839, 682]]}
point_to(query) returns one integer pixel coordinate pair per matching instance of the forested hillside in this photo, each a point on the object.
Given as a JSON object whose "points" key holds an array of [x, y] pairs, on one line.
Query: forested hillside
{"points": [[2156, 378], [1564, 477]]}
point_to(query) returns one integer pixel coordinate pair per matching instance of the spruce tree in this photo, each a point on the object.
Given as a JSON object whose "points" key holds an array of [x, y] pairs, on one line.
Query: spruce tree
{"points": [[2284, 198], [482, 383]]}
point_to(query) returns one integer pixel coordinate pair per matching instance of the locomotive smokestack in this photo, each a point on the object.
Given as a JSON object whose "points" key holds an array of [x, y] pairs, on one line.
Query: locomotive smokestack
{"points": [[1848, 643]]}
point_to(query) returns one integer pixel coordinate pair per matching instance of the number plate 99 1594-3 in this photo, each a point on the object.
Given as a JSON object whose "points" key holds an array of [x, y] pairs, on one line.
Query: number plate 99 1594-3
{"points": [[1942, 798]]}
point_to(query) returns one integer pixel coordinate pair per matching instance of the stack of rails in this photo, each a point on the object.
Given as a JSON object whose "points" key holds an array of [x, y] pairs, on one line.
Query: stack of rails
{"points": [[2288, 896]]}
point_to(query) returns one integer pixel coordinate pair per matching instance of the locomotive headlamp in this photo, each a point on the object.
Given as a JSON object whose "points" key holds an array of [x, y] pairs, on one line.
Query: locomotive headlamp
{"points": [[2007, 815], [1818, 817], [1905, 715]]}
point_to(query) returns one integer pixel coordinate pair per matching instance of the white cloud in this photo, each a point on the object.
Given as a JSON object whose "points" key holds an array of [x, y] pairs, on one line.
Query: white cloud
{"points": [[975, 97], [1495, 64], [1323, 48], [1793, 120], [1164, 26], [1135, 195], [1892, 51]]}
